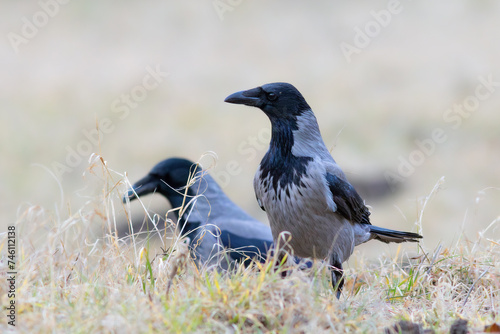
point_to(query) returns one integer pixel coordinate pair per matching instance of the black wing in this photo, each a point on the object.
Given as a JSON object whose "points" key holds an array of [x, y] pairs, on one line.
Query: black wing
{"points": [[349, 204]]}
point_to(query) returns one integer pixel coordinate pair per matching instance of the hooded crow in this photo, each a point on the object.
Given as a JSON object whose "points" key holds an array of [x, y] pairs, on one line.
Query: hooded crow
{"points": [[220, 232], [303, 190]]}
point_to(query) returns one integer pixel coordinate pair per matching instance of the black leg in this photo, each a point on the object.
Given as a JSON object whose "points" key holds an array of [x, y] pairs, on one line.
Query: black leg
{"points": [[281, 256], [337, 275]]}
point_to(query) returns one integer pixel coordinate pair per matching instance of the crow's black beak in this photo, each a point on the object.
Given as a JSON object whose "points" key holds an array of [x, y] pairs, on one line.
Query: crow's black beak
{"points": [[129, 195], [249, 97], [144, 186]]}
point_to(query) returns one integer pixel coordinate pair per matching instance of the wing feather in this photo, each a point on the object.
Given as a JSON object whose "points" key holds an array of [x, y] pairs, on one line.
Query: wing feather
{"points": [[349, 204]]}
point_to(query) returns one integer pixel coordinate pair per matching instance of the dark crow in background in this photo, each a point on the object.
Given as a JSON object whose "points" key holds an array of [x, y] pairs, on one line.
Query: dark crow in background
{"points": [[302, 189], [220, 231]]}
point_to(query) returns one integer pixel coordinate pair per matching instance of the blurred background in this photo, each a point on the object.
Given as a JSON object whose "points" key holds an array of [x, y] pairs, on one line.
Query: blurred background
{"points": [[403, 90]]}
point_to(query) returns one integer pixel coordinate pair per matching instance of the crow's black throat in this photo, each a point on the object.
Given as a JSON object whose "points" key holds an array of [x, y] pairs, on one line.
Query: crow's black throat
{"points": [[279, 163]]}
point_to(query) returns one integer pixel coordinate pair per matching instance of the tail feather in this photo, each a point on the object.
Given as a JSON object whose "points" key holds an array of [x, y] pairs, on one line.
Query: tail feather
{"points": [[387, 236]]}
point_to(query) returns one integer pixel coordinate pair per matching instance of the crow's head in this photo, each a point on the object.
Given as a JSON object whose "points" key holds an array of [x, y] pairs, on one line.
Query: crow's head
{"points": [[166, 178], [277, 100]]}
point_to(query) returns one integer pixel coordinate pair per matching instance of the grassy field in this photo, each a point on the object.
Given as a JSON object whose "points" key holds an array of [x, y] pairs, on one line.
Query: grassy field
{"points": [[418, 99], [72, 281]]}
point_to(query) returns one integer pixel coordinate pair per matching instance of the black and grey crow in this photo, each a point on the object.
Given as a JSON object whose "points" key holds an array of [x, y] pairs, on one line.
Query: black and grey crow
{"points": [[219, 230], [302, 189]]}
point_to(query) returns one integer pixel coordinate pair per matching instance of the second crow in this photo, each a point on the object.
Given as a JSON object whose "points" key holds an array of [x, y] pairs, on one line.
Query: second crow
{"points": [[220, 231]]}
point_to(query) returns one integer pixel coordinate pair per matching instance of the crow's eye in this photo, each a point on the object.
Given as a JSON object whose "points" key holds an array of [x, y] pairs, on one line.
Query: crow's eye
{"points": [[271, 96]]}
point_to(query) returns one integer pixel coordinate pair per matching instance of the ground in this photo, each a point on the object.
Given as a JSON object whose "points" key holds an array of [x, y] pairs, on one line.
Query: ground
{"points": [[69, 280]]}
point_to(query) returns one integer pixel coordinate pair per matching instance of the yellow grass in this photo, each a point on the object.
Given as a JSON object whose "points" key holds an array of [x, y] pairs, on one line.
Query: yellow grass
{"points": [[76, 276]]}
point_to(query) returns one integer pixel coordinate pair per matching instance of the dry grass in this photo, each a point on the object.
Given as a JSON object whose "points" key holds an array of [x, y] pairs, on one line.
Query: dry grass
{"points": [[72, 281]]}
